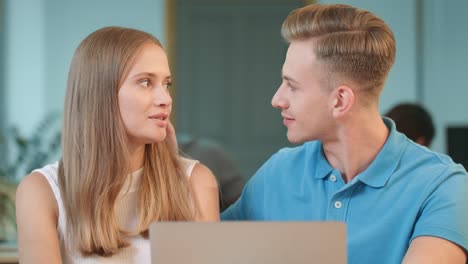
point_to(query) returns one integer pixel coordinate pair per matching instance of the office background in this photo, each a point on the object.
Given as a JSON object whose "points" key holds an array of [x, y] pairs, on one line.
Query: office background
{"points": [[226, 57]]}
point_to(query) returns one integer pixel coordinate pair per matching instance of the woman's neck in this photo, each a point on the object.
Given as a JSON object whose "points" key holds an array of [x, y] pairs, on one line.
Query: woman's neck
{"points": [[137, 157]]}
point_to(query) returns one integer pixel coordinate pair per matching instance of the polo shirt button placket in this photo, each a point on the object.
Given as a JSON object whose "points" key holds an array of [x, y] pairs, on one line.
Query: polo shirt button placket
{"points": [[336, 210], [338, 204], [333, 178]]}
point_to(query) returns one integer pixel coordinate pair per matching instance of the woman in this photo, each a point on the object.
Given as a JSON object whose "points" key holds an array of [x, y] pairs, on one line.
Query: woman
{"points": [[120, 170]]}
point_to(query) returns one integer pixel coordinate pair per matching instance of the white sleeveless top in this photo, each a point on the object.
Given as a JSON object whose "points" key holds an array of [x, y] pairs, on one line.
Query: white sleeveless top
{"points": [[126, 212]]}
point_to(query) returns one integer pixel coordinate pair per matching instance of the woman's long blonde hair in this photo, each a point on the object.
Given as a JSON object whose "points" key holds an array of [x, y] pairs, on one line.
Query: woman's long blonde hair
{"points": [[95, 162]]}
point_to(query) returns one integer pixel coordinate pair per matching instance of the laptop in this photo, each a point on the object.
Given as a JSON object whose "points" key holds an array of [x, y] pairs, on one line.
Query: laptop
{"points": [[248, 242]]}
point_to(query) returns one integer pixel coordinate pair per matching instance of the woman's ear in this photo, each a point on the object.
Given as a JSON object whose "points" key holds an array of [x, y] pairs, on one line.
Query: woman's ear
{"points": [[342, 101]]}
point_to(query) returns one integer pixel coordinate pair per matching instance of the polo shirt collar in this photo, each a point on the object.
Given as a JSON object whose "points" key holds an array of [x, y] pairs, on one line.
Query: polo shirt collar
{"points": [[323, 167], [383, 166]]}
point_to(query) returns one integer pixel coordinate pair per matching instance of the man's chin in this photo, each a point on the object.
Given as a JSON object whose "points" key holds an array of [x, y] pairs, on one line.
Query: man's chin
{"points": [[294, 139]]}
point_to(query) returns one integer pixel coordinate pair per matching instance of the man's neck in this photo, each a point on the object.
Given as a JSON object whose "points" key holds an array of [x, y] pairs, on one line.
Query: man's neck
{"points": [[356, 145]]}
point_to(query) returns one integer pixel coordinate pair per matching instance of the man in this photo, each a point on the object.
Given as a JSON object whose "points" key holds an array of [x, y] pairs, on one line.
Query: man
{"points": [[414, 121], [401, 202]]}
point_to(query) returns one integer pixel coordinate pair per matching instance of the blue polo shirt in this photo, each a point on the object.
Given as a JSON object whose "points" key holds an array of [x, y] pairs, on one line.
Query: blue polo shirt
{"points": [[406, 192]]}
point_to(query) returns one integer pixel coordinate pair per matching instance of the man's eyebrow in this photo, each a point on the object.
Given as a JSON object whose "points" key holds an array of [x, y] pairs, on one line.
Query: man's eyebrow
{"points": [[290, 79]]}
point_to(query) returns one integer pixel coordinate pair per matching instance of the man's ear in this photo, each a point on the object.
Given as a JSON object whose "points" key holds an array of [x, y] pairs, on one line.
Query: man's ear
{"points": [[342, 101]]}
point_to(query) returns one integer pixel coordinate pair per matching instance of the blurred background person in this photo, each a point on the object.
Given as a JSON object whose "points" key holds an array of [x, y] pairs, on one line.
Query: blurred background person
{"points": [[214, 156], [414, 121]]}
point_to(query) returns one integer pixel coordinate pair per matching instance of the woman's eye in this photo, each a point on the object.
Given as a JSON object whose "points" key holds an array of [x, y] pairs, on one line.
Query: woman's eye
{"points": [[145, 83], [167, 85]]}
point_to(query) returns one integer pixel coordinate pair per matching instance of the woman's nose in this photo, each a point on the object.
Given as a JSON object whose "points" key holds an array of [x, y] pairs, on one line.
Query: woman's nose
{"points": [[162, 97]]}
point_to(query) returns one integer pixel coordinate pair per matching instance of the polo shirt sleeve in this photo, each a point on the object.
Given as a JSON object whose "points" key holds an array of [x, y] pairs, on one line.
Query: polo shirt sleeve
{"points": [[250, 205], [445, 211]]}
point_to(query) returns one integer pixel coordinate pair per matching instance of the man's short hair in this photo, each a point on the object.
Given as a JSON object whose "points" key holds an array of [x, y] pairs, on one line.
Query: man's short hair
{"points": [[352, 43]]}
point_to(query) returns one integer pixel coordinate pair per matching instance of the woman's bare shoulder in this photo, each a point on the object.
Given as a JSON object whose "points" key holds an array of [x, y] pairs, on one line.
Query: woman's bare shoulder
{"points": [[203, 176], [34, 191]]}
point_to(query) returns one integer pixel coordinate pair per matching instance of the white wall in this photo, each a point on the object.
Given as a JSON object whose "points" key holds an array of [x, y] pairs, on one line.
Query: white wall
{"points": [[446, 65], [25, 63]]}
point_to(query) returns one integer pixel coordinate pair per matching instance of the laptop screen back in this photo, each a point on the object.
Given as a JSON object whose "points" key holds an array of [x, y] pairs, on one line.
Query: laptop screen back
{"points": [[248, 242]]}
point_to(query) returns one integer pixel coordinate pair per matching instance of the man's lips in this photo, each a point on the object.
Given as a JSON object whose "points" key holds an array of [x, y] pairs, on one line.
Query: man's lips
{"points": [[287, 117], [287, 120]]}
